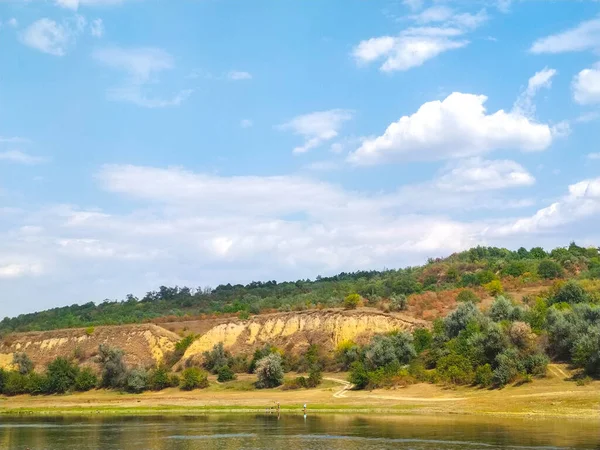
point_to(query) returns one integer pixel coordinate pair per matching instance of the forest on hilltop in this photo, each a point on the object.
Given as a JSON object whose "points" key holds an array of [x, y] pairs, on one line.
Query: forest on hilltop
{"points": [[477, 268]]}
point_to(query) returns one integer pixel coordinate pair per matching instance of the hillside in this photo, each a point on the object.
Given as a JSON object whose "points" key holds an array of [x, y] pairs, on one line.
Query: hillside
{"points": [[431, 289]]}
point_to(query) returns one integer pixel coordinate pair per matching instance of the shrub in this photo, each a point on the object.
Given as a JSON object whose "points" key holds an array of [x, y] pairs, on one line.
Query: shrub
{"points": [[61, 374], [549, 269], [114, 372], [89, 331], [422, 339], [346, 353], [485, 277], [36, 384], [570, 292], [467, 295], [15, 384], [315, 376], [358, 375], [458, 320], [586, 352], [22, 362], [225, 374], [398, 302], [296, 383], [507, 367], [180, 347], [455, 368], [521, 335], [484, 376], [174, 380], [137, 380], [243, 315], [501, 309], [86, 380], [352, 301], [494, 288], [159, 379], [193, 378], [269, 371], [536, 364], [216, 358]]}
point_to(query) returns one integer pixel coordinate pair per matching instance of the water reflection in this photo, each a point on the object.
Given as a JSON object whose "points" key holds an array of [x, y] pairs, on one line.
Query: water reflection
{"points": [[293, 432]]}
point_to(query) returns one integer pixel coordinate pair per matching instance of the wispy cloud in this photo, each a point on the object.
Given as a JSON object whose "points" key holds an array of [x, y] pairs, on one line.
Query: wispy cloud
{"points": [[141, 66], [541, 80], [51, 37], [97, 28], [236, 75], [317, 127], [17, 156], [585, 36]]}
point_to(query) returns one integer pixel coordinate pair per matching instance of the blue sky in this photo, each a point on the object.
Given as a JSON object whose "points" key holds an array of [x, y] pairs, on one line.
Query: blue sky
{"points": [[146, 142]]}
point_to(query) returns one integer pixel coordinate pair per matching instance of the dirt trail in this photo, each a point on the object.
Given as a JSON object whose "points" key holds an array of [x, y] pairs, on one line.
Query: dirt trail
{"points": [[348, 386]]}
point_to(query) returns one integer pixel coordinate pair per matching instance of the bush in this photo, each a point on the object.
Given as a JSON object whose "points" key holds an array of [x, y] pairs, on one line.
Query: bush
{"points": [[114, 372], [36, 384], [296, 383], [586, 352], [15, 384], [501, 309], [536, 364], [89, 331], [269, 371], [422, 339], [225, 374], [549, 269], [137, 380], [467, 295], [216, 358], [571, 292], [398, 302], [352, 301], [484, 376], [494, 288], [315, 376], [86, 380], [61, 375], [358, 375], [22, 362], [346, 353], [507, 367], [193, 378], [159, 379], [458, 320], [521, 335], [455, 369]]}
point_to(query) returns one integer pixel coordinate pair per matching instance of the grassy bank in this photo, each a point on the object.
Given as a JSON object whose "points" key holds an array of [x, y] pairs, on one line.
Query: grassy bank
{"points": [[549, 397]]}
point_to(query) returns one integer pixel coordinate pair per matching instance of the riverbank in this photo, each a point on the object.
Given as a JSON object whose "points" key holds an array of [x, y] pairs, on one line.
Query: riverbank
{"points": [[549, 397]]}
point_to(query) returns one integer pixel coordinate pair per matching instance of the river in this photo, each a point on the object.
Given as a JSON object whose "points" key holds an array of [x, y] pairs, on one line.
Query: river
{"points": [[294, 432]]}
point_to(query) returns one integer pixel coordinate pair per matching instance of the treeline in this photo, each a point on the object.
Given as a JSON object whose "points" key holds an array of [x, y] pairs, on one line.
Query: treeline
{"points": [[64, 375], [507, 343], [475, 267]]}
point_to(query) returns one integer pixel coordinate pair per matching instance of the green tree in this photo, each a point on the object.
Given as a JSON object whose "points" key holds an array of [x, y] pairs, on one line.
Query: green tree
{"points": [[458, 320], [61, 374], [159, 379], [549, 269], [269, 371], [571, 292], [422, 339], [193, 378], [484, 376], [467, 295], [225, 374], [86, 380], [137, 380]]}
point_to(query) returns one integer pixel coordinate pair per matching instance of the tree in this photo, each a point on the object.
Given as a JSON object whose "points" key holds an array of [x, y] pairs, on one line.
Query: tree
{"points": [[586, 352], [398, 302], [358, 376], [458, 320], [484, 376], [159, 379], [225, 374], [269, 371], [571, 292], [216, 358], [114, 372], [501, 309], [521, 335], [86, 380], [352, 301], [137, 380], [22, 362], [549, 269], [193, 378], [422, 339], [494, 288], [61, 374]]}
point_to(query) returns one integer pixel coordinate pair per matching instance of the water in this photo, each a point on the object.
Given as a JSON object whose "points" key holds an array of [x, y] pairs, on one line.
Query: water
{"points": [[294, 432]]}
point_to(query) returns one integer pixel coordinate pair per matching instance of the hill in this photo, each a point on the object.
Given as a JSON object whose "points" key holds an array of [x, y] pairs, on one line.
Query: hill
{"points": [[431, 289]]}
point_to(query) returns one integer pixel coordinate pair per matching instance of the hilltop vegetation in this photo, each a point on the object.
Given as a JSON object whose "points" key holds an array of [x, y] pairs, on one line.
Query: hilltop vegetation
{"points": [[483, 269]]}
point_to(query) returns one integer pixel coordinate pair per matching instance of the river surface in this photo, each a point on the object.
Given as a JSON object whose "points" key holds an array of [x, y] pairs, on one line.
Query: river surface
{"points": [[294, 432]]}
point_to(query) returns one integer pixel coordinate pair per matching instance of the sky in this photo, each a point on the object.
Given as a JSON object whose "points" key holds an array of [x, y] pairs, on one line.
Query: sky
{"points": [[200, 142]]}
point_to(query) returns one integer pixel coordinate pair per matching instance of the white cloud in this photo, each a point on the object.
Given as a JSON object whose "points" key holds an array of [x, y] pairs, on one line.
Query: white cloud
{"points": [[12, 22], [236, 75], [16, 270], [317, 127], [542, 79], [455, 127], [47, 36], [585, 36], [411, 49], [246, 123], [476, 174], [97, 28], [142, 67], [586, 86], [416, 45], [20, 157], [582, 201], [593, 156], [414, 5]]}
